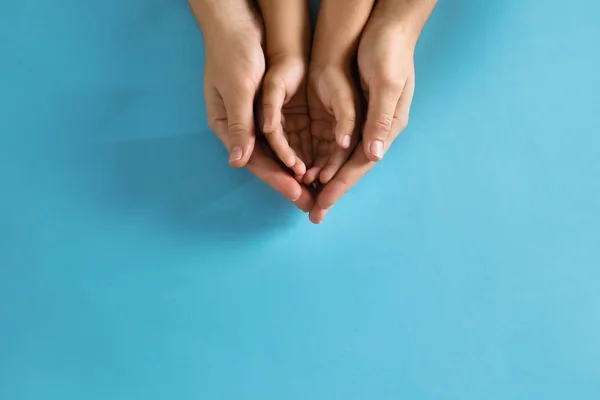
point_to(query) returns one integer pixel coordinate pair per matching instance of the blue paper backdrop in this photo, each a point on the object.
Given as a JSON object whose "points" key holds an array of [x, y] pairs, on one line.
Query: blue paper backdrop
{"points": [[134, 264]]}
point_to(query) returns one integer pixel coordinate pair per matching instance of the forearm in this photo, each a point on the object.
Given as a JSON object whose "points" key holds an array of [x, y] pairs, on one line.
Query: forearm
{"points": [[339, 27], [410, 15], [287, 27]]}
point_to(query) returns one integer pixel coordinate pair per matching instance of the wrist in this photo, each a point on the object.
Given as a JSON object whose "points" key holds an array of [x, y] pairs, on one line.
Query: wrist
{"points": [[316, 73], [331, 54], [206, 13], [216, 18], [286, 52], [407, 17], [339, 27], [333, 59], [295, 63]]}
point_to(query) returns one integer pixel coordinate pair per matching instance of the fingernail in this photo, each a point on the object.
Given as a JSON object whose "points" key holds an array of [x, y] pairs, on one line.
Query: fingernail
{"points": [[346, 141], [296, 197], [377, 148], [235, 154]]}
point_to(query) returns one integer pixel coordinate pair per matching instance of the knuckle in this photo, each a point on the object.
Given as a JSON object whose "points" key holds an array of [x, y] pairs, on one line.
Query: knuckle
{"points": [[216, 125], [273, 83], [268, 105], [389, 82], [273, 88], [349, 121], [244, 87], [382, 124], [237, 129], [403, 122]]}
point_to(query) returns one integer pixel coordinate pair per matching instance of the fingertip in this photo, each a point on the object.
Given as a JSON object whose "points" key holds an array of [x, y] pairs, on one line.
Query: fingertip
{"points": [[294, 191], [311, 175], [317, 215], [296, 194], [326, 198], [306, 202], [299, 167], [344, 141], [374, 150], [324, 203], [236, 157], [326, 175]]}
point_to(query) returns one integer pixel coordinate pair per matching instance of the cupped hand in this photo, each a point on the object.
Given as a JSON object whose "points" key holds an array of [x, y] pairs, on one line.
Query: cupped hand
{"points": [[235, 66], [387, 78], [234, 69], [264, 165], [285, 112], [334, 111]]}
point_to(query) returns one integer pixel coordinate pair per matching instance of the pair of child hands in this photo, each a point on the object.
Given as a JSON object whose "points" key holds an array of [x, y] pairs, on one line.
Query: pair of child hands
{"points": [[311, 110]]}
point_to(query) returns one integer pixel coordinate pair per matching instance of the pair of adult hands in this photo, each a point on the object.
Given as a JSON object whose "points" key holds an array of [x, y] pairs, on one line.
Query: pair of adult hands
{"points": [[235, 72]]}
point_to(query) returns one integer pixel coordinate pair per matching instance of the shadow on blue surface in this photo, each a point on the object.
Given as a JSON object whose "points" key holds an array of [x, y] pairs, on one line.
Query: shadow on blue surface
{"points": [[135, 264], [186, 182]]}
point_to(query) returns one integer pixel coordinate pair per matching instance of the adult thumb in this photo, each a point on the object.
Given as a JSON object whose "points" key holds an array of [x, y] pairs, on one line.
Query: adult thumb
{"points": [[240, 135]]}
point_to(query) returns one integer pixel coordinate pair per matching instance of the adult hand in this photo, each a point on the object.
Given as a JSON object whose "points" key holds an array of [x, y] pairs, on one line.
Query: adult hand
{"points": [[333, 98], [263, 164], [285, 113], [387, 78], [235, 66]]}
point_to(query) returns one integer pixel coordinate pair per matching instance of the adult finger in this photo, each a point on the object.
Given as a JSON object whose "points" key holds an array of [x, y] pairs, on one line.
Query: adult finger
{"points": [[401, 116], [273, 97], [267, 170], [240, 136], [355, 168], [317, 215], [383, 101], [215, 112], [343, 105], [306, 201]]}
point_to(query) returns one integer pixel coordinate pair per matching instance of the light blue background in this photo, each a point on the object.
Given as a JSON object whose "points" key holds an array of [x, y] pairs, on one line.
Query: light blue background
{"points": [[134, 264]]}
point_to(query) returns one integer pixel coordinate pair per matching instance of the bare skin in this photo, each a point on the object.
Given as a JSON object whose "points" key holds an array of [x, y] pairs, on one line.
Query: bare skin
{"points": [[387, 78], [333, 98], [231, 83], [385, 52], [284, 104]]}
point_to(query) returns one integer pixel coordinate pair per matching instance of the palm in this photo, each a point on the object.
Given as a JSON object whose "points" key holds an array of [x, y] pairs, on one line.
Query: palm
{"points": [[328, 156], [295, 120], [245, 61], [296, 125], [322, 134]]}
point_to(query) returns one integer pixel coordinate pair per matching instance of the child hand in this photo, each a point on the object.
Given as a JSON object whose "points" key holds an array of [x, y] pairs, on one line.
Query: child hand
{"points": [[334, 110], [285, 113], [284, 106], [333, 99]]}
